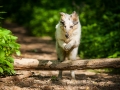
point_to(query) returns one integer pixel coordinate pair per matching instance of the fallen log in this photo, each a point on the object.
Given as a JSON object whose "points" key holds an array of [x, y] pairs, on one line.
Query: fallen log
{"points": [[25, 63], [17, 77]]}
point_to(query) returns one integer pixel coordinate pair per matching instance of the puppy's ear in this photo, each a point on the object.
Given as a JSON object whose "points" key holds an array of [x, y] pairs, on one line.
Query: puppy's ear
{"points": [[74, 14], [74, 17], [62, 14]]}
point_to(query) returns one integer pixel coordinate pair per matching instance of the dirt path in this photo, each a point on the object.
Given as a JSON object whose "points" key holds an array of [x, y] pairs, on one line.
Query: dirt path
{"points": [[44, 49]]}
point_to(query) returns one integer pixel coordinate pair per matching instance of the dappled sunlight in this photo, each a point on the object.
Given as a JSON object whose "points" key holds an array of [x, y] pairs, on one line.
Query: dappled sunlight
{"points": [[33, 22], [39, 48], [85, 79], [42, 48]]}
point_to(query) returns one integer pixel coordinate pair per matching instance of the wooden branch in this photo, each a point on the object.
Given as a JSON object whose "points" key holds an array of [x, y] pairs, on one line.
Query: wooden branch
{"points": [[35, 64], [21, 75]]}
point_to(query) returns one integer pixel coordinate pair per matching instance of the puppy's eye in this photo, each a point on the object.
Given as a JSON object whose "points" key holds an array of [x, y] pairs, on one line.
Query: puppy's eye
{"points": [[62, 22], [75, 22], [71, 26]]}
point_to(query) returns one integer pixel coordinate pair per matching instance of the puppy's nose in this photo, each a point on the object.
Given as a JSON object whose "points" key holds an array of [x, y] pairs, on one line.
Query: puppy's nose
{"points": [[66, 35]]}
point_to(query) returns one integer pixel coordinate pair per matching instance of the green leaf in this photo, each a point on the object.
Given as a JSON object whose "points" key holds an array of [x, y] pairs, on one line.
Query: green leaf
{"points": [[3, 41], [7, 70], [10, 59], [13, 37], [9, 64], [2, 53], [1, 70], [13, 72], [4, 31], [18, 52], [11, 45]]}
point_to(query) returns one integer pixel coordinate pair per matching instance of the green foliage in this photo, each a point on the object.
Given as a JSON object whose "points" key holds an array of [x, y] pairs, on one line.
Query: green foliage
{"points": [[8, 46], [40, 17], [100, 30], [1, 13], [54, 78], [100, 22], [47, 26]]}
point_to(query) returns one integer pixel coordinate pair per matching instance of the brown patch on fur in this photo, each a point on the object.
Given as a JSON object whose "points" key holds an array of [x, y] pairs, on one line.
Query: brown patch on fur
{"points": [[62, 19], [62, 28], [72, 30], [74, 16], [67, 40]]}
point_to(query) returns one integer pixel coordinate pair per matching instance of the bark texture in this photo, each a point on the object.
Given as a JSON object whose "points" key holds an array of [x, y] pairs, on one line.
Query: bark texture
{"points": [[25, 63]]}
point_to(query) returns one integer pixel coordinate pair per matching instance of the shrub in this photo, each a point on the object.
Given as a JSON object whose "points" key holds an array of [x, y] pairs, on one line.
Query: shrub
{"points": [[8, 46]]}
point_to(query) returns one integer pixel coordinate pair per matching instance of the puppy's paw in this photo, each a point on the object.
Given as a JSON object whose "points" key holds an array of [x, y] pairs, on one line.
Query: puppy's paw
{"points": [[68, 47]]}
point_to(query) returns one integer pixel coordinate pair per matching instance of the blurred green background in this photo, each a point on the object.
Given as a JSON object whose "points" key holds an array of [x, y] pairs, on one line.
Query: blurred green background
{"points": [[100, 20]]}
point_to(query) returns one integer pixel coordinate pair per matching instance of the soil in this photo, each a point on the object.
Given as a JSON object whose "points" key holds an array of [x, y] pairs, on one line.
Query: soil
{"points": [[44, 49]]}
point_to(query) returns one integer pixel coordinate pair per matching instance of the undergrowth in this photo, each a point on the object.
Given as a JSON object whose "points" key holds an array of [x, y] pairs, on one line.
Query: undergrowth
{"points": [[8, 46]]}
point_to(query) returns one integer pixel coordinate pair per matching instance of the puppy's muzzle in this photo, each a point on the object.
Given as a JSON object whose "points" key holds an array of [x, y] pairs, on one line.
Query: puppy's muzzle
{"points": [[66, 35]]}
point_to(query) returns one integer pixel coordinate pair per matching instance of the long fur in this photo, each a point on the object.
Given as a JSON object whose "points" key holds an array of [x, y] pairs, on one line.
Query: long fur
{"points": [[68, 33]]}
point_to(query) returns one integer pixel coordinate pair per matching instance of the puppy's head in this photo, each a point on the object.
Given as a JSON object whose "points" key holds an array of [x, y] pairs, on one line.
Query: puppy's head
{"points": [[68, 23]]}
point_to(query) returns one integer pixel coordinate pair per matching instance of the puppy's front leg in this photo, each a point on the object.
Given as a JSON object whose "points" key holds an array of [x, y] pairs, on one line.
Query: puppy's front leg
{"points": [[61, 43], [69, 45], [72, 56]]}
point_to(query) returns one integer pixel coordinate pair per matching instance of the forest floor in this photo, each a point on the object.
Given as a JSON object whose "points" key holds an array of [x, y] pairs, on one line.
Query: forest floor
{"points": [[44, 49]]}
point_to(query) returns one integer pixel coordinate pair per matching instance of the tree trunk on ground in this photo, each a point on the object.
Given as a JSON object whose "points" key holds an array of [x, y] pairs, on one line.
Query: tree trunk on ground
{"points": [[20, 64], [19, 76]]}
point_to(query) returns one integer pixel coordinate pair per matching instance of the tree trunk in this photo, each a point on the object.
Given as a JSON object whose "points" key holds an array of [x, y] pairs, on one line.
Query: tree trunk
{"points": [[20, 64]]}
